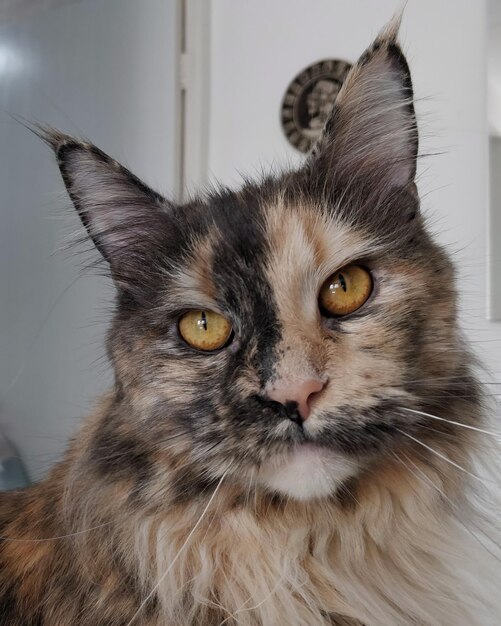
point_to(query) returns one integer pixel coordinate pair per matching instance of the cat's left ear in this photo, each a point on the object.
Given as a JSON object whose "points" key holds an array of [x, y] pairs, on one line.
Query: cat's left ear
{"points": [[371, 137]]}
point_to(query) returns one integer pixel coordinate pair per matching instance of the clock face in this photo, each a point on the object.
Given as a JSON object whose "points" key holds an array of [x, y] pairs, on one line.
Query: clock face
{"points": [[309, 99]]}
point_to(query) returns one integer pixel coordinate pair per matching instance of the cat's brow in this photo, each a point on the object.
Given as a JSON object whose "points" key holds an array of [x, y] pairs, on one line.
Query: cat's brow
{"points": [[187, 288]]}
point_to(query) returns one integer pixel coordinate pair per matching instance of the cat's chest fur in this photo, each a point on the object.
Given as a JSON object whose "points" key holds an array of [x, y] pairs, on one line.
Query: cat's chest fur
{"points": [[257, 563], [325, 563]]}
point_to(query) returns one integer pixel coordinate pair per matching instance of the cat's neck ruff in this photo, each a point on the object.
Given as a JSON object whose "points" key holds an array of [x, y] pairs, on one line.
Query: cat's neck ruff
{"points": [[257, 559]]}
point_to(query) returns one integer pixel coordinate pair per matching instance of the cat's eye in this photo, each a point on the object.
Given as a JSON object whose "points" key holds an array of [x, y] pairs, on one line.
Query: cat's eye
{"points": [[205, 330], [346, 290]]}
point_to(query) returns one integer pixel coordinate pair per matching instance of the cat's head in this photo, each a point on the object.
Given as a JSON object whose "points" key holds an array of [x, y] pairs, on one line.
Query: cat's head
{"points": [[280, 332]]}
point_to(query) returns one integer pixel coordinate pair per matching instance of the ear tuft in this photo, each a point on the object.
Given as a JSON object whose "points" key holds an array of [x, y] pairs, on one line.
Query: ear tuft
{"points": [[389, 33], [371, 136], [51, 136]]}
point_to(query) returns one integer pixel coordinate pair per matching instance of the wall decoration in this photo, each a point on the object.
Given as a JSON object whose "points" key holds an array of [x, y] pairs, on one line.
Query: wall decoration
{"points": [[309, 100]]}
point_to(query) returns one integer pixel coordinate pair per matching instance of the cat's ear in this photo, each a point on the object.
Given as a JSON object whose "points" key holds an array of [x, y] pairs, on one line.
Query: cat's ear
{"points": [[371, 136], [125, 219]]}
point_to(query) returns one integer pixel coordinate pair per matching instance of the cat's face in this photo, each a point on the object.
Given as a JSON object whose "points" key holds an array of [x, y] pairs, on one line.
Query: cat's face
{"points": [[281, 392]]}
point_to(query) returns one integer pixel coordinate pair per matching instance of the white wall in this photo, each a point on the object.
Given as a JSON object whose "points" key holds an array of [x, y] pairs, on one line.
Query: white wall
{"points": [[494, 119], [104, 69], [258, 47], [495, 222]]}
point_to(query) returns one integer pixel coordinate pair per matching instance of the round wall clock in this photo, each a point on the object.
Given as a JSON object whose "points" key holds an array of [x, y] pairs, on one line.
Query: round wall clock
{"points": [[309, 99]]}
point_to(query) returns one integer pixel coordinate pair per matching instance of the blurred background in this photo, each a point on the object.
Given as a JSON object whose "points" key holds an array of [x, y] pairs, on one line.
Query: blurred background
{"points": [[185, 92]]}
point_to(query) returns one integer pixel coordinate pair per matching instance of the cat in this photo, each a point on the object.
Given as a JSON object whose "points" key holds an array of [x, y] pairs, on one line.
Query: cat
{"points": [[295, 420]]}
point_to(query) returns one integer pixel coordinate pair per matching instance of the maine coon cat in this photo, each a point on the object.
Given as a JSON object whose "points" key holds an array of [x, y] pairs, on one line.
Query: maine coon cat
{"points": [[295, 421]]}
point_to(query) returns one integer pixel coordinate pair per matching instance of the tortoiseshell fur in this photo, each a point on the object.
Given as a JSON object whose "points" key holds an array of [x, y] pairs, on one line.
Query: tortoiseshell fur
{"points": [[173, 504]]}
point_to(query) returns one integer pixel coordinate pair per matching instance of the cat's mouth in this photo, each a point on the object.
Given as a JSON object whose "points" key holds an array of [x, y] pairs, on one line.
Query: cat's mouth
{"points": [[358, 432], [356, 440], [313, 459]]}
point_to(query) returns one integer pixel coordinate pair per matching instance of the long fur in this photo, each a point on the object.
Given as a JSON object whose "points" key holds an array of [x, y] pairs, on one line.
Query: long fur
{"points": [[192, 497]]}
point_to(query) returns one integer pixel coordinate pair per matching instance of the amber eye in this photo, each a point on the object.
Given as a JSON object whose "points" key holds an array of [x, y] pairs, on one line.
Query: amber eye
{"points": [[346, 290], [204, 330]]}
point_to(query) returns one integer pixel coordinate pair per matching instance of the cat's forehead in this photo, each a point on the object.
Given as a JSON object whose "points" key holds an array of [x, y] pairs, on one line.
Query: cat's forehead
{"points": [[287, 246], [304, 236]]}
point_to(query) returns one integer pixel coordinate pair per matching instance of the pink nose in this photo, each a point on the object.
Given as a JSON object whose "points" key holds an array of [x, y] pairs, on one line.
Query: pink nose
{"points": [[284, 391]]}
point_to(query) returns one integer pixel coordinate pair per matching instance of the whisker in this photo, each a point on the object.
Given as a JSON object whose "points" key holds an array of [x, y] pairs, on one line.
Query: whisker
{"points": [[497, 436], [444, 457], [451, 394], [190, 535], [452, 504], [451, 380], [219, 606], [243, 608], [454, 437]]}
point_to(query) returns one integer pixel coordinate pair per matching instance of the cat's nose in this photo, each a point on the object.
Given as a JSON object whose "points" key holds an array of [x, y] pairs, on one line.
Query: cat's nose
{"points": [[296, 392]]}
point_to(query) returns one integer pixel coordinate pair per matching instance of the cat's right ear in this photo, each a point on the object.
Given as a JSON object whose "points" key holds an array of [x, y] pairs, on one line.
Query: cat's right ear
{"points": [[125, 219]]}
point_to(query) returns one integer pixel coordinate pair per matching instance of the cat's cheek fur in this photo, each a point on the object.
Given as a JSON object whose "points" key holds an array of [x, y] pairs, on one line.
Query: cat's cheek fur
{"points": [[306, 472]]}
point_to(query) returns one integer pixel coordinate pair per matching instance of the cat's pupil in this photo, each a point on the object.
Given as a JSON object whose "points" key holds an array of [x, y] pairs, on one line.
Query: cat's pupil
{"points": [[202, 322], [343, 282]]}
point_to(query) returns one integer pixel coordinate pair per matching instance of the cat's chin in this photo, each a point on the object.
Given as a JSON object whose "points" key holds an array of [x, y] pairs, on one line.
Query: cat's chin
{"points": [[307, 472]]}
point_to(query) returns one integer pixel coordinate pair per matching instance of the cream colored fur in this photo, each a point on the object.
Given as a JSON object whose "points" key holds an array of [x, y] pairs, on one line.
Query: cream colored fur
{"points": [[403, 557]]}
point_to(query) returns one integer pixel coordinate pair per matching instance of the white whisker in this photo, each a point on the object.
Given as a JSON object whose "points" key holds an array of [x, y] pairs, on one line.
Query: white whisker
{"points": [[444, 457], [453, 504], [243, 608], [174, 560], [496, 436]]}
